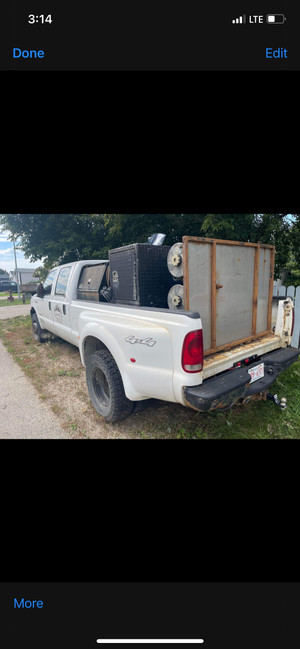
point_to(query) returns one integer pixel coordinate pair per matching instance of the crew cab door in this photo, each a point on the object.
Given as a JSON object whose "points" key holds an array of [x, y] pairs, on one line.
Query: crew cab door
{"points": [[60, 305], [43, 305]]}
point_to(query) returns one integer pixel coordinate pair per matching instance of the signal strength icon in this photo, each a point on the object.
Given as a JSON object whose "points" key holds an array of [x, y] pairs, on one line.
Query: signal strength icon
{"points": [[240, 20]]}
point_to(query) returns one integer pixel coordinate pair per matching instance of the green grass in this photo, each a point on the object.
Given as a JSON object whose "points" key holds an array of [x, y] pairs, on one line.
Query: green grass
{"points": [[161, 420], [257, 419], [14, 303], [15, 296]]}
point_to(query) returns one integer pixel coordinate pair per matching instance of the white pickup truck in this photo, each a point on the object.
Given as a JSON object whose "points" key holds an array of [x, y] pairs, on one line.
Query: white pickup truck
{"points": [[132, 353]]}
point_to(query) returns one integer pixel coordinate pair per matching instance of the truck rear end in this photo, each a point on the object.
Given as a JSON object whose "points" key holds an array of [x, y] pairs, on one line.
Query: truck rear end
{"points": [[223, 339], [246, 334]]}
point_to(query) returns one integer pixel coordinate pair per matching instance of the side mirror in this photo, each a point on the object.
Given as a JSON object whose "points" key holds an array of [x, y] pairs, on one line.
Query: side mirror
{"points": [[40, 290]]}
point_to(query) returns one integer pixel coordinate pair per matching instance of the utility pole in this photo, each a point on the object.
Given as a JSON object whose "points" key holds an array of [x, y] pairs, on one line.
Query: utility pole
{"points": [[16, 267]]}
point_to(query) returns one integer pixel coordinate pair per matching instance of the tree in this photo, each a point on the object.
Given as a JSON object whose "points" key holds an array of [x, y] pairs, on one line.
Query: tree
{"points": [[295, 238], [272, 229], [275, 229], [122, 229], [3, 272], [294, 262], [237, 227], [55, 238], [62, 238]]}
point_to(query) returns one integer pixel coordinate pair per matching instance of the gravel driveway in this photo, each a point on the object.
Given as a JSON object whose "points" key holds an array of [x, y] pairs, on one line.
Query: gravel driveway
{"points": [[13, 311], [22, 413]]}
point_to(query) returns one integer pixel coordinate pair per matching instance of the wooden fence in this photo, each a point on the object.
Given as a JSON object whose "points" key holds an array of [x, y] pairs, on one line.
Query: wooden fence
{"points": [[294, 293]]}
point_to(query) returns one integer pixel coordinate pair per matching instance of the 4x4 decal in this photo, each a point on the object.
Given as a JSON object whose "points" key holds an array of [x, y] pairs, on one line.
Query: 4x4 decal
{"points": [[141, 341]]}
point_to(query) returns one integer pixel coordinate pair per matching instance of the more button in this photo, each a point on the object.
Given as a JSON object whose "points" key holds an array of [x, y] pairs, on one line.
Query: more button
{"points": [[28, 603]]}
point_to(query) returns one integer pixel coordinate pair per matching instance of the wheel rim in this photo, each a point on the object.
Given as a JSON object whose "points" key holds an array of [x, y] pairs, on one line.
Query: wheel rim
{"points": [[101, 387]]}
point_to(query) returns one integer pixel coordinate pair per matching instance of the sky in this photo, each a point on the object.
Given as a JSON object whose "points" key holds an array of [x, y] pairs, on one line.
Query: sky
{"points": [[7, 260]]}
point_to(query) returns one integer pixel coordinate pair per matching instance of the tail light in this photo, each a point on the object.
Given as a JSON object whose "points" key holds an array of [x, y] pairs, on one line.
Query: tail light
{"points": [[192, 352]]}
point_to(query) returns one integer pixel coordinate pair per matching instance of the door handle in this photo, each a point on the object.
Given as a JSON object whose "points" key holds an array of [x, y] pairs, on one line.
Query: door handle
{"points": [[64, 309], [49, 303]]}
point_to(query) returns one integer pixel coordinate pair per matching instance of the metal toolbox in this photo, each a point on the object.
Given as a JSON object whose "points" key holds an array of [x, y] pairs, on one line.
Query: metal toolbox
{"points": [[91, 281], [139, 275]]}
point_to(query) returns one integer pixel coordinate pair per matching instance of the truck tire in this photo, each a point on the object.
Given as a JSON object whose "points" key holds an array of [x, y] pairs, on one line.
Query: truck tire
{"points": [[106, 388], [39, 334]]}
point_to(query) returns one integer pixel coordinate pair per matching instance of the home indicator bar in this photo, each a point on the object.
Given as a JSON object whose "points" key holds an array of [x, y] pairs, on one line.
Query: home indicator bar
{"points": [[150, 641]]}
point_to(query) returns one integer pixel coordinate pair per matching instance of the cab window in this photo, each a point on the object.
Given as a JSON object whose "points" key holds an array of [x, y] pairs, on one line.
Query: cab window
{"points": [[62, 281], [49, 282]]}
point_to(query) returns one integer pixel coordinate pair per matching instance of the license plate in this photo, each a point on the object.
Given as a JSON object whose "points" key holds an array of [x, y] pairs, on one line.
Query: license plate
{"points": [[256, 372]]}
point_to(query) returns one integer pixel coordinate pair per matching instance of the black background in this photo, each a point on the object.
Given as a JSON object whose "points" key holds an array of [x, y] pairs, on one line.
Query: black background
{"points": [[119, 511]]}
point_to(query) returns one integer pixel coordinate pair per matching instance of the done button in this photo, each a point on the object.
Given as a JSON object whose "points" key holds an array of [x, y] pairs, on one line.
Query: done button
{"points": [[27, 54]]}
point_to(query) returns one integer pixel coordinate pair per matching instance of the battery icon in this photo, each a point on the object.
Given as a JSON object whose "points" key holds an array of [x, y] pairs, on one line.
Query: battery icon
{"points": [[275, 19]]}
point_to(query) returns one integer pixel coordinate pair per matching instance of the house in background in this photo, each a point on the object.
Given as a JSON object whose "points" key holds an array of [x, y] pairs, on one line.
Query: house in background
{"points": [[5, 277], [25, 275]]}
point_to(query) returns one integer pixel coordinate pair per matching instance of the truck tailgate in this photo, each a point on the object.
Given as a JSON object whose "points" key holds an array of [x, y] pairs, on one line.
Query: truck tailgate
{"points": [[221, 361]]}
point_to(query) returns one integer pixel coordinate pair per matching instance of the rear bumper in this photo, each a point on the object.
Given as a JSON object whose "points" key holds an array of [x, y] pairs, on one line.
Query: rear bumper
{"points": [[221, 392]]}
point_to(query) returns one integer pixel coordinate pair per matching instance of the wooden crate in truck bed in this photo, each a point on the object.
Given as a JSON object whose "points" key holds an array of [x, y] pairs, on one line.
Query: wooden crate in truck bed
{"points": [[230, 283]]}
